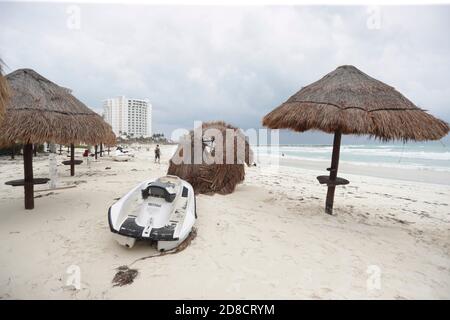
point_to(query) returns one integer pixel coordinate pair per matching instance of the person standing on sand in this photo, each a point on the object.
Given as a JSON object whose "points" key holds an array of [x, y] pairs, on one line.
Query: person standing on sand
{"points": [[157, 153]]}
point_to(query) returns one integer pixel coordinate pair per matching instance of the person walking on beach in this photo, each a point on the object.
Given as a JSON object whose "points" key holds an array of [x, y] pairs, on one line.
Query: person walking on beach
{"points": [[157, 153]]}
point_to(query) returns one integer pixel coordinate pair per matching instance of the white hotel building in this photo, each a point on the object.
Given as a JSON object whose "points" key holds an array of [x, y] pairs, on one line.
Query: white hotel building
{"points": [[127, 116]]}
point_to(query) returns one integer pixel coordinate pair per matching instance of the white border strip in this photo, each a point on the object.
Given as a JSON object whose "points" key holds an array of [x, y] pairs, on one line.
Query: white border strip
{"points": [[244, 2]]}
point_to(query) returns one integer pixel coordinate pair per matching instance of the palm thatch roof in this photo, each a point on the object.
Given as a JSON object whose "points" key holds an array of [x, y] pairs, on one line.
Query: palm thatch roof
{"points": [[40, 111], [207, 176], [350, 101], [4, 93]]}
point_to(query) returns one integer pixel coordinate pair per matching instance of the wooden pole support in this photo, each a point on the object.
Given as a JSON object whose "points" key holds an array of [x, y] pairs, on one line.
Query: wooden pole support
{"points": [[72, 159], [101, 149], [333, 172], [96, 148], [28, 172]]}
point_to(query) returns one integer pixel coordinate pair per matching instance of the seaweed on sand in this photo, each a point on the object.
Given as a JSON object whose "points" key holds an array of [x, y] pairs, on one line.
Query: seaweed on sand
{"points": [[124, 276]]}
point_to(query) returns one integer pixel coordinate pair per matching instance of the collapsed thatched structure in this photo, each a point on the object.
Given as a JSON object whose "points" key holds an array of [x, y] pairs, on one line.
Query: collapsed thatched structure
{"points": [[41, 111], [209, 170], [4, 93], [348, 101]]}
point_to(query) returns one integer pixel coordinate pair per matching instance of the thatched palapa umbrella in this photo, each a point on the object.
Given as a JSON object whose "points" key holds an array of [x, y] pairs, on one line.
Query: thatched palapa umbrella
{"points": [[4, 93], [40, 111], [213, 172], [348, 101]]}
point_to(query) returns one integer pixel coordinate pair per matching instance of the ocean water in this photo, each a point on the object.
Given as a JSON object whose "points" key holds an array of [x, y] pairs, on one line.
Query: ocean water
{"points": [[428, 156]]}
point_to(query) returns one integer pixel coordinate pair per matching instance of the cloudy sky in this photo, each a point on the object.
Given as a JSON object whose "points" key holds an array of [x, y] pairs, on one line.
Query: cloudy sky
{"points": [[230, 63]]}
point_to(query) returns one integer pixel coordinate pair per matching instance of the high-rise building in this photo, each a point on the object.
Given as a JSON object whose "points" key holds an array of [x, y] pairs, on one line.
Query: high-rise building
{"points": [[132, 117]]}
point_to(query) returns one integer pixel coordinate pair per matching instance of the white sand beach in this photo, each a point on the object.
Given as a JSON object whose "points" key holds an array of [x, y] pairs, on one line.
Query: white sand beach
{"points": [[268, 240]]}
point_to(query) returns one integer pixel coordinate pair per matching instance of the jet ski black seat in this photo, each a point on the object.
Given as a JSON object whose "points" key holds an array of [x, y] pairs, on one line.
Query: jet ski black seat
{"points": [[159, 190]]}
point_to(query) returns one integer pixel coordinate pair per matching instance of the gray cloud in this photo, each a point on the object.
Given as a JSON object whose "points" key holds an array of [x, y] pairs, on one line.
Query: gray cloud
{"points": [[230, 63]]}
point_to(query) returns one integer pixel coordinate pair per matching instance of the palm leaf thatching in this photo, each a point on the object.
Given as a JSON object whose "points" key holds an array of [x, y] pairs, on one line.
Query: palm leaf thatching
{"points": [[41, 111], [110, 138], [4, 93], [210, 176], [350, 101]]}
